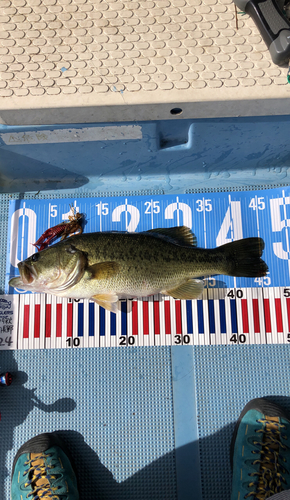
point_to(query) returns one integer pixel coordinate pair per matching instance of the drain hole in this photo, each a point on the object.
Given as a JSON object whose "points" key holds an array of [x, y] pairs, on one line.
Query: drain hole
{"points": [[176, 111]]}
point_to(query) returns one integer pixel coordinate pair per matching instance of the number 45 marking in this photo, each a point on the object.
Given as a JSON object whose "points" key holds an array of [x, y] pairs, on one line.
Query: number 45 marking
{"points": [[257, 203]]}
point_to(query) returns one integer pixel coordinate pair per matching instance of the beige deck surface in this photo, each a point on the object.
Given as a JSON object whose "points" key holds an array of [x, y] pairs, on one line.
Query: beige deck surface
{"points": [[94, 60]]}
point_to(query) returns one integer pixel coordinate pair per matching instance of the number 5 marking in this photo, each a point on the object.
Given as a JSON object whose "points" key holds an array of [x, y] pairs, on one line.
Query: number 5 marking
{"points": [[278, 224]]}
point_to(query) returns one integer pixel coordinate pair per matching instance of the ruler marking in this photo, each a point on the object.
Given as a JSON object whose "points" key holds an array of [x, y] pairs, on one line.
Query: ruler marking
{"points": [[211, 316], [91, 319], [279, 319], [134, 317], [156, 318], [37, 321], [234, 322], [146, 317], [58, 320], [245, 316], [178, 317], [263, 315], [69, 319], [223, 315], [267, 316], [256, 316], [26, 321], [102, 322], [113, 324], [167, 317], [189, 316], [123, 318], [80, 319], [200, 317], [48, 321]]}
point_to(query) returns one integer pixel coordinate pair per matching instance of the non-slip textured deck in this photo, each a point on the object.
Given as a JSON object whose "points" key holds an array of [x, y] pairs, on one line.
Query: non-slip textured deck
{"points": [[226, 380], [61, 54], [120, 414], [114, 410]]}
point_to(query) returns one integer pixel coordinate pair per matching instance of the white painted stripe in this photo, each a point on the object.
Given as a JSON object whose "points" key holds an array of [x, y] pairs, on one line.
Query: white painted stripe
{"points": [[280, 335], [113, 338], [221, 292], [147, 338], [228, 316], [129, 320], [105, 340], [140, 323], [184, 321], [157, 337], [268, 295], [151, 321], [75, 323], [53, 322], [86, 324], [91, 339], [195, 322], [31, 302], [263, 335], [162, 320], [97, 322], [118, 327], [171, 338], [284, 315], [206, 335], [21, 321], [215, 338], [87, 134], [42, 321]]}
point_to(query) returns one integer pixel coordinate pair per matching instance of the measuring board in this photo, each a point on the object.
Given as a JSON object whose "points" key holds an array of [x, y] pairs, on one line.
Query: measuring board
{"points": [[230, 311]]}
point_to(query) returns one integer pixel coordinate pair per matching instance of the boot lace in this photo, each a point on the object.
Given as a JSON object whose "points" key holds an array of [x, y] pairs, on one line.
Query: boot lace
{"points": [[40, 478], [269, 479]]}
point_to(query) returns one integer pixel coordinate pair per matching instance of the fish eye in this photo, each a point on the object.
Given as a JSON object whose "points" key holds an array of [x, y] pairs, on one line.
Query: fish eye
{"points": [[35, 257]]}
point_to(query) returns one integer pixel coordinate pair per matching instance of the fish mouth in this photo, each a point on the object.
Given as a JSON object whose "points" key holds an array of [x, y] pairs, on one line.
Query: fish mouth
{"points": [[16, 282], [27, 273]]}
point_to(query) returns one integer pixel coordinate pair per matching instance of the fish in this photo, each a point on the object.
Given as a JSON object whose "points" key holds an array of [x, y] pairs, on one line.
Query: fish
{"points": [[108, 266]]}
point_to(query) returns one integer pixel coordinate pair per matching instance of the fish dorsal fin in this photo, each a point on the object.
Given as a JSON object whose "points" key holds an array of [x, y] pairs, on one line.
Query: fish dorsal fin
{"points": [[191, 289], [103, 270], [108, 301], [181, 235]]}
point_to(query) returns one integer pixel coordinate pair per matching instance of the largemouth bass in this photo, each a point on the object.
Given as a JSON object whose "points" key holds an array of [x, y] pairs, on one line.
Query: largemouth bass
{"points": [[109, 266]]}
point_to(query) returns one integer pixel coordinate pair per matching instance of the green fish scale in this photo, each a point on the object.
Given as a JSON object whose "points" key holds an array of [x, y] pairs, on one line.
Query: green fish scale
{"points": [[147, 262]]}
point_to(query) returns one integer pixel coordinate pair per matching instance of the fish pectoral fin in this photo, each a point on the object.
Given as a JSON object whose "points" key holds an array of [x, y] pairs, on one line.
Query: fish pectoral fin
{"points": [[181, 235], [108, 301], [103, 270], [191, 289]]}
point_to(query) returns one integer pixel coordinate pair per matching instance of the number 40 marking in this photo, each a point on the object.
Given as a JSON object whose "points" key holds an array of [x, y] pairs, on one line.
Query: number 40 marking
{"points": [[231, 228]]}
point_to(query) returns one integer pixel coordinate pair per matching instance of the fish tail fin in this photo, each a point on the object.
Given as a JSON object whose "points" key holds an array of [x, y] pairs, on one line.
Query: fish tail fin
{"points": [[243, 258]]}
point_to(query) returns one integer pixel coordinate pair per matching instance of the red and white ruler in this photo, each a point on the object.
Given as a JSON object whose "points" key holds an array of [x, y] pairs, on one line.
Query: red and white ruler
{"points": [[220, 316]]}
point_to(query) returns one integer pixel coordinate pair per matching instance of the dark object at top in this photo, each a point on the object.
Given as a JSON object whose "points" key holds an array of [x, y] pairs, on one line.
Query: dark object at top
{"points": [[273, 26]]}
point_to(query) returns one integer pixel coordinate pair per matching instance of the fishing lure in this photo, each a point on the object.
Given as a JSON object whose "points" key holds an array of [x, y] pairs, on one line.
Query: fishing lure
{"points": [[63, 229]]}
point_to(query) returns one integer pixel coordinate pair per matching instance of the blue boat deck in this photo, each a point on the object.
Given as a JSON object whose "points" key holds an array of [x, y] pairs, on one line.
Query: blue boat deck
{"points": [[145, 422]]}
